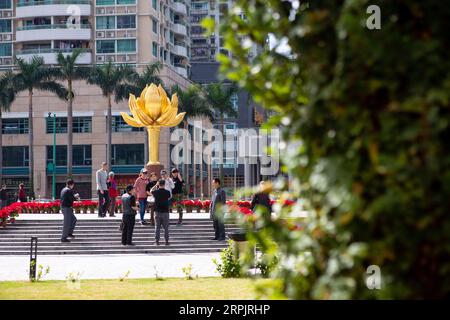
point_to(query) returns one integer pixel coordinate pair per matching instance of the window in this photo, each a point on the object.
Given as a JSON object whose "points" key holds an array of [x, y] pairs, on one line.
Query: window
{"points": [[61, 125], [5, 49], [155, 49], [5, 4], [15, 126], [119, 125], [105, 46], [155, 4], [80, 125], [105, 2], [155, 26], [81, 155], [200, 5], [5, 25], [127, 154], [15, 156], [106, 22], [126, 45], [126, 22], [126, 1], [61, 155]]}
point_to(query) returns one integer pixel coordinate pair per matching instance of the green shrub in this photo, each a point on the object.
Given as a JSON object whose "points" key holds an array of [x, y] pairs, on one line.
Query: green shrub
{"points": [[365, 115], [230, 266]]}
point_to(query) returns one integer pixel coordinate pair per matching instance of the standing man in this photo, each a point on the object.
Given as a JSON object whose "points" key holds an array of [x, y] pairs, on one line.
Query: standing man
{"points": [[129, 215], [150, 199], [3, 196], [177, 193], [140, 184], [102, 190], [218, 200], [67, 199], [112, 191], [162, 197]]}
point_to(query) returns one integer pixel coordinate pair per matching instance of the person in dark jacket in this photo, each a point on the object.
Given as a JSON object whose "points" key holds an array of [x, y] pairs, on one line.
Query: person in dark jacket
{"points": [[67, 199], [3, 196], [150, 199], [262, 199], [218, 201], [129, 215], [177, 193]]}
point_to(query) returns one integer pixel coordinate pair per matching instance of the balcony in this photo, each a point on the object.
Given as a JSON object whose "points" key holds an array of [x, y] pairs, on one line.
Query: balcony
{"points": [[49, 55], [179, 7], [179, 29], [53, 32], [179, 50], [181, 70], [41, 8]]}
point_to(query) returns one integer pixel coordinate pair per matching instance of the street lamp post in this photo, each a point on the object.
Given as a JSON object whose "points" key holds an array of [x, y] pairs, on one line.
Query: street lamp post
{"points": [[54, 156]]}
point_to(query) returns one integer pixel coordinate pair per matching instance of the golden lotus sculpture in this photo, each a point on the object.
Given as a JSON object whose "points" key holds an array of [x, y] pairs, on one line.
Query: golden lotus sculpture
{"points": [[153, 110]]}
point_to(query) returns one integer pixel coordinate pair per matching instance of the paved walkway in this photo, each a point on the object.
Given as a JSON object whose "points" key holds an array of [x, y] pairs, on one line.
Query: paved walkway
{"points": [[110, 266]]}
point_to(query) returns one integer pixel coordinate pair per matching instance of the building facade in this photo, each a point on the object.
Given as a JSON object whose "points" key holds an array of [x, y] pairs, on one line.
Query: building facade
{"points": [[122, 31]]}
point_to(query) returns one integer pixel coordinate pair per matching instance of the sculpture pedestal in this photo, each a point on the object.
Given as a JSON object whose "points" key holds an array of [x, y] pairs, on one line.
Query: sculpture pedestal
{"points": [[156, 168]]}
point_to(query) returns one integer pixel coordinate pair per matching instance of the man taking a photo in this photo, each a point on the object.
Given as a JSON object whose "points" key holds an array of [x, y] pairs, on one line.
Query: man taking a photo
{"points": [[162, 197]]}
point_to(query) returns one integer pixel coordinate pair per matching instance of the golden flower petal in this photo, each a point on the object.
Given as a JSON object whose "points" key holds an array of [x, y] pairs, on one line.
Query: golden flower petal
{"points": [[174, 101], [153, 102], [176, 121], [130, 120]]}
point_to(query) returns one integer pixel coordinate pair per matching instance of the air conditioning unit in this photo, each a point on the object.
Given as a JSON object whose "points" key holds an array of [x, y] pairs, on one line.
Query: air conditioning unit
{"points": [[8, 14], [100, 34], [6, 37], [100, 58], [111, 58], [111, 10], [100, 10], [111, 34]]}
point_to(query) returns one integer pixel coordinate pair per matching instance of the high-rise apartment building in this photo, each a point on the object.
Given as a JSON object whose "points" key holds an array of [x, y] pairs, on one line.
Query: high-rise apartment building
{"points": [[204, 70], [136, 32]]}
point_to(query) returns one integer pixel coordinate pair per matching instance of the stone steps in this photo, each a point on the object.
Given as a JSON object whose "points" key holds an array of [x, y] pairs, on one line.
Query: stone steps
{"points": [[99, 236]]}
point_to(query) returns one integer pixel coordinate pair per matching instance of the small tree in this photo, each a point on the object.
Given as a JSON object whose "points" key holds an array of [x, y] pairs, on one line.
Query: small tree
{"points": [[219, 95], [69, 71], [193, 102], [113, 80], [34, 75], [7, 96], [365, 117]]}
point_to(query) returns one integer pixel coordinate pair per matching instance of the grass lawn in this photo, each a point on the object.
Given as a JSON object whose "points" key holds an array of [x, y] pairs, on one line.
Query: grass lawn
{"points": [[131, 289]]}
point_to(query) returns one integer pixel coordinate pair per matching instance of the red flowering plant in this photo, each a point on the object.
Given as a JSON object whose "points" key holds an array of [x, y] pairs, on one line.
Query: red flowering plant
{"points": [[188, 205], [198, 205], [206, 204]]}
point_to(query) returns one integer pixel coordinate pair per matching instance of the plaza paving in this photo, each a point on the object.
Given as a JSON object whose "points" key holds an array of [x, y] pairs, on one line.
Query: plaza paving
{"points": [[109, 266]]}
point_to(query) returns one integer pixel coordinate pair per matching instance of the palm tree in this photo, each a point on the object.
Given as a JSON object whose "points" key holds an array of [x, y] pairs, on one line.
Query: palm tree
{"points": [[193, 102], [219, 97], [149, 75], [33, 75], [7, 96], [113, 80], [69, 71]]}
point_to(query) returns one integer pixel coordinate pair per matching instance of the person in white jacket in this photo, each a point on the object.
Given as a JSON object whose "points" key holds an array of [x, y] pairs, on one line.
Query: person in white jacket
{"points": [[169, 185]]}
